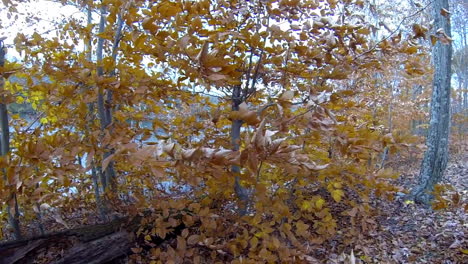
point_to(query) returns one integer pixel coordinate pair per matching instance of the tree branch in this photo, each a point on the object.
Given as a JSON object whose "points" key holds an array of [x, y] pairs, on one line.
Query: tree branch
{"points": [[393, 32]]}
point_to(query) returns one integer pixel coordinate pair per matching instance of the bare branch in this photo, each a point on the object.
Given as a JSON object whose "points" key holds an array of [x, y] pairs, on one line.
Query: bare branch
{"points": [[394, 31]]}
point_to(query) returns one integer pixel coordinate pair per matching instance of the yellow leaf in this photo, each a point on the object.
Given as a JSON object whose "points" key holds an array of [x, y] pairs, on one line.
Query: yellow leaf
{"points": [[140, 41], [44, 120], [259, 234], [337, 195], [464, 251], [411, 50], [148, 238], [319, 203], [169, 9], [149, 25], [254, 242], [19, 100], [306, 205], [337, 185], [364, 31]]}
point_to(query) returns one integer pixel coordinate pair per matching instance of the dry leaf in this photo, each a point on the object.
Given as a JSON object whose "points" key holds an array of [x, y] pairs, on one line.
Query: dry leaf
{"points": [[444, 12]]}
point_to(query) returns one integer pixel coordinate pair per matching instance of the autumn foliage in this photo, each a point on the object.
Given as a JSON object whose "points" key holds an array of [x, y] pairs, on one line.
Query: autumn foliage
{"points": [[320, 101]]}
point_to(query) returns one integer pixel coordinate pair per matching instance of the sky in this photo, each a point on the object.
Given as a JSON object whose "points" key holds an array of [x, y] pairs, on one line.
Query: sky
{"points": [[50, 12]]}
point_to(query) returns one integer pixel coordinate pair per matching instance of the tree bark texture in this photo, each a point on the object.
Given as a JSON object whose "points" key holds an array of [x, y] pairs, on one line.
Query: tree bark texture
{"points": [[241, 192], [436, 156], [90, 244], [104, 103], [101, 243], [13, 215]]}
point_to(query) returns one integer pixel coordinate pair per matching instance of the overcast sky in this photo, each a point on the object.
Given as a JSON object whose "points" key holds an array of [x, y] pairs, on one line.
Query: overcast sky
{"points": [[49, 13]]}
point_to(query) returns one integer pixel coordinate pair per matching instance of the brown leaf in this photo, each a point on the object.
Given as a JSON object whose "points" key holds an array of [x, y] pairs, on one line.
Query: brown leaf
{"points": [[193, 239], [287, 96], [419, 31], [445, 12], [106, 162], [183, 42], [202, 55], [217, 77], [433, 40]]}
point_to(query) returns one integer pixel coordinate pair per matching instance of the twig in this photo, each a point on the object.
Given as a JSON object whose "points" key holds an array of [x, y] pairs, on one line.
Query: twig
{"points": [[394, 31], [250, 68], [251, 91], [259, 112], [258, 171], [301, 114], [208, 94], [33, 122]]}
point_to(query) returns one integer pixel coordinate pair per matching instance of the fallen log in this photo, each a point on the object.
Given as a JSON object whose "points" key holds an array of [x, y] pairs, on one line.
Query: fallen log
{"points": [[101, 243]]}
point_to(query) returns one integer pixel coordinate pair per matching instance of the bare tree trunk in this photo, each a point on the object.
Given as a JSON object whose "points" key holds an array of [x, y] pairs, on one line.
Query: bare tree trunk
{"points": [[13, 217], [100, 101], [40, 224], [390, 126], [104, 104], [240, 191], [436, 156], [100, 204]]}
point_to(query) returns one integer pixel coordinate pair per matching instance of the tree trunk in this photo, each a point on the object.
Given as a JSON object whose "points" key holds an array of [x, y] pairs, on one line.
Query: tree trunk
{"points": [[436, 156], [241, 192], [12, 207], [100, 100], [101, 206], [104, 103]]}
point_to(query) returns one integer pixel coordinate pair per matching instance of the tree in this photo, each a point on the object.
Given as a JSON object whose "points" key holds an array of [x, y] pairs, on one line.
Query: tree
{"points": [[293, 135], [436, 156], [13, 208]]}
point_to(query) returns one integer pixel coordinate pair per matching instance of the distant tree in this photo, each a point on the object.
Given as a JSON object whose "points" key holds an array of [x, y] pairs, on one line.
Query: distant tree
{"points": [[436, 156]]}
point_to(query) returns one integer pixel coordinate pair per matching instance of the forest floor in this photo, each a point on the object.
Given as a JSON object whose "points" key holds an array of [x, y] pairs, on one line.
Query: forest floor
{"points": [[403, 232], [409, 233]]}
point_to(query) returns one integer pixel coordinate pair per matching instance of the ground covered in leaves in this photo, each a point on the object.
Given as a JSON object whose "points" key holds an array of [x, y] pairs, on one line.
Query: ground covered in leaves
{"points": [[400, 232], [410, 233]]}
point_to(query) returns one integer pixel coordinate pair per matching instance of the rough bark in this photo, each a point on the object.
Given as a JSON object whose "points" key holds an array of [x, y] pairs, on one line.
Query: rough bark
{"points": [[100, 99], [101, 206], [241, 192], [90, 244], [101, 243], [386, 150], [436, 156], [104, 103], [13, 215]]}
